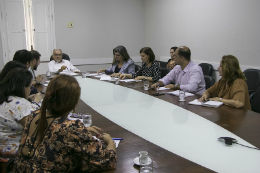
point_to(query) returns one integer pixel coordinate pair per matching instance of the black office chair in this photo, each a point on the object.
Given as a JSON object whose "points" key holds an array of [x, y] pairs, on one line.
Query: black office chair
{"points": [[64, 56], [162, 64], [210, 81], [252, 79], [206, 68], [137, 67], [164, 71], [255, 103]]}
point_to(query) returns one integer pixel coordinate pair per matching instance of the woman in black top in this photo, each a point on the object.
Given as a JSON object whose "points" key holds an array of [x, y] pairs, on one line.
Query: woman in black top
{"points": [[150, 69]]}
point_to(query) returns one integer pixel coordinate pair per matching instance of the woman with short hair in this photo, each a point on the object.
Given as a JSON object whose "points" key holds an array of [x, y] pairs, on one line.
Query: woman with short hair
{"points": [[231, 89], [14, 107], [53, 143], [150, 69], [122, 63]]}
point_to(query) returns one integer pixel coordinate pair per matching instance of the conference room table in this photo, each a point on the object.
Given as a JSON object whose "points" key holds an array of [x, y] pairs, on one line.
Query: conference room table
{"points": [[183, 139]]}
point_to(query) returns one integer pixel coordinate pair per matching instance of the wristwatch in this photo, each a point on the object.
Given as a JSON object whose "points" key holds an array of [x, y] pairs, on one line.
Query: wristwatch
{"points": [[220, 99]]}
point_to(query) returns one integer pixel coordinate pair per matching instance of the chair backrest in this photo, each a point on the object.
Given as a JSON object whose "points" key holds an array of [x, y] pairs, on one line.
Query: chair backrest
{"points": [[209, 80], [164, 71], [137, 67], [206, 68], [252, 79], [255, 103], [162, 64], [64, 56]]}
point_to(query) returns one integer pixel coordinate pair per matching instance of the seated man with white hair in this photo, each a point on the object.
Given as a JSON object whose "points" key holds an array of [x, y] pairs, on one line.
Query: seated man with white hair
{"points": [[58, 64]]}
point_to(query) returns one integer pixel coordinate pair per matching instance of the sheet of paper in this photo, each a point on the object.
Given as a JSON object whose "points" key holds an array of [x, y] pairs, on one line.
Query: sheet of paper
{"points": [[214, 104], [101, 75], [45, 84], [187, 94], [68, 73], [195, 102], [93, 74], [47, 81], [163, 88], [107, 78], [130, 80], [116, 142]]}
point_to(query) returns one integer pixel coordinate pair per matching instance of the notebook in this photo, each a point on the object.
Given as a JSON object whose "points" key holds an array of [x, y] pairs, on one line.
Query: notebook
{"points": [[187, 94], [213, 104]]}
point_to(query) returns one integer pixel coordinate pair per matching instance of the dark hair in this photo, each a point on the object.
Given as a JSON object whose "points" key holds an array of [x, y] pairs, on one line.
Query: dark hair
{"points": [[174, 48], [14, 83], [23, 56], [231, 69], [148, 51], [35, 55], [123, 52], [9, 66], [62, 96], [185, 52]]}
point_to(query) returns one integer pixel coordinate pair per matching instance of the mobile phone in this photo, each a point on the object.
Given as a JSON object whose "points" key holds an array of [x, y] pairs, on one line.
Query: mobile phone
{"points": [[158, 94], [43, 92]]}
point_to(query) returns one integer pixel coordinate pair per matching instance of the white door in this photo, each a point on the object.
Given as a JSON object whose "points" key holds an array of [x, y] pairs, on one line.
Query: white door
{"points": [[44, 39], [25, 23], [15, 27]]}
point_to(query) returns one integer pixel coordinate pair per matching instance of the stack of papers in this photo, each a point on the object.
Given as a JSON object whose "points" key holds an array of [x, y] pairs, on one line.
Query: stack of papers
{"points": [[213, 104], [187, 94], [107, 78]]}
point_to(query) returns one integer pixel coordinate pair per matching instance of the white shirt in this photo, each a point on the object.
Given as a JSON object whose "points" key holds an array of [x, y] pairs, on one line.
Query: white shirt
{"points": [[55, 66]]}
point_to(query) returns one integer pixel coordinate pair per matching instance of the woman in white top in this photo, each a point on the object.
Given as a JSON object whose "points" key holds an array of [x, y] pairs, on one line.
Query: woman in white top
{"points": [[14, 107]]}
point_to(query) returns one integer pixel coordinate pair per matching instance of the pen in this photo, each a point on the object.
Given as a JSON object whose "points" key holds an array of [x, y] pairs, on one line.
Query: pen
{"points": [[118, 139]]}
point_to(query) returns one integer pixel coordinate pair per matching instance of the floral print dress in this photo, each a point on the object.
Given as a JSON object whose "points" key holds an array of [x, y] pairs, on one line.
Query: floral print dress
{"points": [[10, 128], [67, 146]]}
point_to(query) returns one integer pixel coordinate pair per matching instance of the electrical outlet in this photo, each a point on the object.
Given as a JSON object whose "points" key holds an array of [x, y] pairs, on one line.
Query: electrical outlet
{"points": [[70, 25]]}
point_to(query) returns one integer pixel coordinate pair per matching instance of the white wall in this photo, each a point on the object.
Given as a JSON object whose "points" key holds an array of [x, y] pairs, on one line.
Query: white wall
{"points": [[210, 28], [99, 26]]}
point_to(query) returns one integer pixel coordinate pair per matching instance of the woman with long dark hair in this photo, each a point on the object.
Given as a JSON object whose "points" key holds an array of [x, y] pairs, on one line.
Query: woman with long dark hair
{"points": [[14, 107], [122, 63], [231, 89], [52, 143]]}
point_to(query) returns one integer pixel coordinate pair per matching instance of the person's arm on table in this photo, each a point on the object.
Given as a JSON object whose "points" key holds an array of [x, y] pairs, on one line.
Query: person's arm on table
{"points": [[62, 68], [75, 70], [115, 74], [166, 80], [144, 77], [125, 76], [205, 96], [229, 102]]}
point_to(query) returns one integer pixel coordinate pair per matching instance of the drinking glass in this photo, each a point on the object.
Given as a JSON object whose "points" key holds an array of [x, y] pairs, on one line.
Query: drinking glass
{"points": [[87, 73], [112, 78], [182, 96], [146, 163], [146, 85], [87, 119], [84, 74], [48, 73]]}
